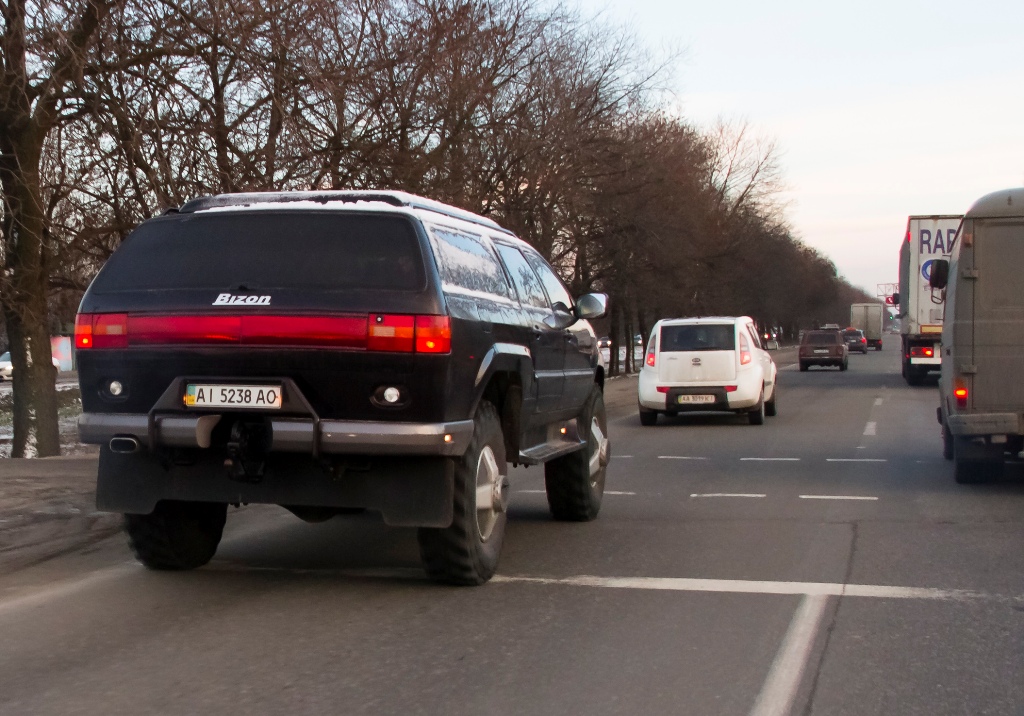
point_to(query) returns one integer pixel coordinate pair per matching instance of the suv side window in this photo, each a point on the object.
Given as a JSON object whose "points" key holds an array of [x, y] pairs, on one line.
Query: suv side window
{"points": [[557, 291], [530, 290], [467, 262]]}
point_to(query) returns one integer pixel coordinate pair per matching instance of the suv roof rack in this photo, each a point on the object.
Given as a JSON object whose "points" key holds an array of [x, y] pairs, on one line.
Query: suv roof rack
{"points": [[394, 198]]}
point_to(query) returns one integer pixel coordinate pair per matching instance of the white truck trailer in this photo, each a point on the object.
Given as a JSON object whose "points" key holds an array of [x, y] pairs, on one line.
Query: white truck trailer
{"points": [[928, 238], [869, 318]]}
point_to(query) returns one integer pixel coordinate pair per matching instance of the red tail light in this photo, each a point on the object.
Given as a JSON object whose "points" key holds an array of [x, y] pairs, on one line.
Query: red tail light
{"points": [[433, 334], [731, 388], [960, 393], [101, 330], [921, 352], [378, 332], [863, 340], [745, 356], [662, 388]]}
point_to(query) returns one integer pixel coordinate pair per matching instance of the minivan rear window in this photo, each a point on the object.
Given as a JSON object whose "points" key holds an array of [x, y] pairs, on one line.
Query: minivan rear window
{"points": [[268, 249], [702, 337]]}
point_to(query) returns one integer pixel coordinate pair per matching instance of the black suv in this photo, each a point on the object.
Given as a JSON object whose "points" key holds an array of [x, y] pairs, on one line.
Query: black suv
{"points": [[333, 352]]}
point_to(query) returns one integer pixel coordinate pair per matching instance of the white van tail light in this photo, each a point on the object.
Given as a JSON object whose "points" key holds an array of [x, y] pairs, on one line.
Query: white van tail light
{"points": [[652, 348], [745, 356], [960, 393]]}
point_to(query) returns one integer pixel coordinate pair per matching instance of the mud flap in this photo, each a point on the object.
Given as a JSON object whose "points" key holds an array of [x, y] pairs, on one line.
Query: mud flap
{"points": [[407, 491]]}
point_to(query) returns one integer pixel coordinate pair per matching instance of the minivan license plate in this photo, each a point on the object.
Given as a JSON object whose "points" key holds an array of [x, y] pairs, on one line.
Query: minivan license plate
{"points": [[695, 399], [232, 396]]}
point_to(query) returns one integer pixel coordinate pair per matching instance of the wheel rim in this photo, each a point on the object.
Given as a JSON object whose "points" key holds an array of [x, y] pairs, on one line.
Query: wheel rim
{"points": [[598, 453], [490, 493]]}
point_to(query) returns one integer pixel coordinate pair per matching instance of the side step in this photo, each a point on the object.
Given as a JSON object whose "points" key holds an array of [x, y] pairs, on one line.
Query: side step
{"points": [[562, 438]]}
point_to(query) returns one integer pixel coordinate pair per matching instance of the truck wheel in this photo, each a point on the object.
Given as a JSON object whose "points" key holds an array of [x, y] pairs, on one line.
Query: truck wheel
{"points": [[176, 535], [947, 442], [647, 416], [771, 408], [466, 552], [973, 472], [756, 415], [575, 482]]}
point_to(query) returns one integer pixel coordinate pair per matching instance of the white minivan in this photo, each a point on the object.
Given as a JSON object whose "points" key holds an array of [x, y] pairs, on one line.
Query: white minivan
{"points": [[707, 364]]}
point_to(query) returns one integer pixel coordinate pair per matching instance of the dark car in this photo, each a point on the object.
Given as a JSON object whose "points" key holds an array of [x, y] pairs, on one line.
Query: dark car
{"points": [[824, 348], [855, 340], [333, 352]]}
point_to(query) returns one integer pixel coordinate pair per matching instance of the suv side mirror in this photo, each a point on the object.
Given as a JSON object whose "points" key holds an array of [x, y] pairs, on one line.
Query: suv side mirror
{"points": [[940, 274], [563, 317], [591, 305]]}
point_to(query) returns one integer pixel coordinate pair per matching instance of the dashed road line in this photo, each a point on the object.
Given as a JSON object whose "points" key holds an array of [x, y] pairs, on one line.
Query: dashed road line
{"points": [[837, 497], [856, 459], [747, 586], [728, 494], [680, 457], [606, 492], [878, 401], [769, 459], [871, 428], [780, 688]]}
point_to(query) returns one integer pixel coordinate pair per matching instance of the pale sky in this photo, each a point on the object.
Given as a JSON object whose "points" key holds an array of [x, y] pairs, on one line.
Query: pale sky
{"points": [[879, 109]]}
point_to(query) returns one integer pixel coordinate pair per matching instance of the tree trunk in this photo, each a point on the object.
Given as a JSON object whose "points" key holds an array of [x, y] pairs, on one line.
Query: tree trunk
{"points": [[24, 298]]}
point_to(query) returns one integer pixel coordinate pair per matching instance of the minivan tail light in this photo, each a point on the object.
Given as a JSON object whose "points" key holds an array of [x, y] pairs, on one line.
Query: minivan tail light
{"points": [[745, 356], [651, 358], [433, 334]]}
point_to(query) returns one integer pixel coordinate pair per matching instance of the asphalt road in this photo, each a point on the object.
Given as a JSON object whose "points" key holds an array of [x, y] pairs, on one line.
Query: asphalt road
{"points": [[824, 563]]}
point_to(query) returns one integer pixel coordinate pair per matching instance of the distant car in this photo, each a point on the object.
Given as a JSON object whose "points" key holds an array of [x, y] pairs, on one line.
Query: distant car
{"points": [[855, 340], [824, 348], [7, 368], [638, 339], [604, 342], [707, 364]]}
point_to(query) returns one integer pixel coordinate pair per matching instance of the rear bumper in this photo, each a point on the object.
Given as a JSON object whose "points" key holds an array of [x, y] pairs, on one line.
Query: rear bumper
{"points": [[294, 435], [985, 424], [739, 399]]}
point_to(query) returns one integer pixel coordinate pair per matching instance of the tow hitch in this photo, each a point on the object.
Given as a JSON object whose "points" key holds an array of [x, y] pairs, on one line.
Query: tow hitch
{"points": [[247, 449]]}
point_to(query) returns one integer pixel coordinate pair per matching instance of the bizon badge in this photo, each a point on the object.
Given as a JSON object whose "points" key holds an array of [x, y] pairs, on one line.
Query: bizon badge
{"points": [[226, 299]]}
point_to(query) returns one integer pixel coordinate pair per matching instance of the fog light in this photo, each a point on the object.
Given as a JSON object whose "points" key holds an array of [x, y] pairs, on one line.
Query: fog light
{"points": [[115, 388], [392, 395], [447, 438]]}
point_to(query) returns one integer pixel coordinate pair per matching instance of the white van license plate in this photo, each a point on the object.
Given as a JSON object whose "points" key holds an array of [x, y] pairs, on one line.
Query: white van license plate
{"points": [[695, 399], [232, 396]]}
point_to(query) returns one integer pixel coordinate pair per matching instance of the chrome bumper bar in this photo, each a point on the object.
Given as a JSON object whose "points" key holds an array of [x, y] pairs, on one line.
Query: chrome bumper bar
{"points": [[288, 434]]}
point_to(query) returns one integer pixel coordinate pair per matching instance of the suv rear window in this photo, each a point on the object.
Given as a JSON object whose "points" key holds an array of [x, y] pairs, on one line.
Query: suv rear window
{"points": [[703, 337], [268, 249], [821, 338]]}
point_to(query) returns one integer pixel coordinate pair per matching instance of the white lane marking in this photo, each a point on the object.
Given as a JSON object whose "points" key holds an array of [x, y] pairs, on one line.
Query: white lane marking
{"points": [[542, 492], [871, 428], [789, 366], [727, 494], [780, 688], [747, 586], [769, 459], [622, 457], [836, 497], [878, 401], [856, 459], [680, 457], [42, 596]]}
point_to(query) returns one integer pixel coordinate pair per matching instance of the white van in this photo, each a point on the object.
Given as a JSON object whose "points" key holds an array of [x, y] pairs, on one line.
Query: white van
{"points": [[707, 364], [981, 393]]}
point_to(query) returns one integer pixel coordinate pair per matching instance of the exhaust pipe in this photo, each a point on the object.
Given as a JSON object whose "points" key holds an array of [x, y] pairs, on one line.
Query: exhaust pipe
{"points": [[124, 445]]}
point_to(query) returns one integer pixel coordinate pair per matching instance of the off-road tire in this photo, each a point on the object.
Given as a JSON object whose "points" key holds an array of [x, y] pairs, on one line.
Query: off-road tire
{"points": [[176, 535], [574, 494], [757, 413], [803, 367], [648, 417], [459, 554], [771, 408], [844, 365], [947, 443]]}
